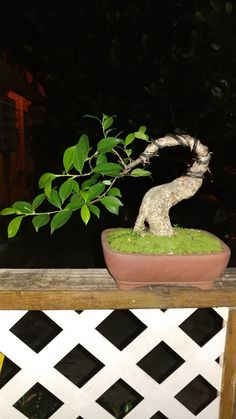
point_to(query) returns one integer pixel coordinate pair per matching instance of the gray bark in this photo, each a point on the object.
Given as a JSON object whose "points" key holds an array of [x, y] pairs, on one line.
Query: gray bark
{"points": [[154, 210]]}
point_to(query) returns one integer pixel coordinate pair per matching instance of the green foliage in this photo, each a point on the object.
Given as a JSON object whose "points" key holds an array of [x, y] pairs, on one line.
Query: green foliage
{"points": [[185, 241], [65, 189], [107, 144], [22, 207], [85, 214], [96, 190], [68, 158], [40, 221], [95, 210], [109, 169], [38, 200], [59, 219], [138, 134], [111, 203], [114, 192], [140, 172], [14, 226], [8, 211], [85, 184]]}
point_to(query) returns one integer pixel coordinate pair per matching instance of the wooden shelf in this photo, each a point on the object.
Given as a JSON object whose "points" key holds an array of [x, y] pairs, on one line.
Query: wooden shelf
{"points": [[79, 289], [74, 289]]}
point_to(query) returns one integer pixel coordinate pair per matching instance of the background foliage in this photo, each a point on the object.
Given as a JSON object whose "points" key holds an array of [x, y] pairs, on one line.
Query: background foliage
{"points": [[170, 64]]}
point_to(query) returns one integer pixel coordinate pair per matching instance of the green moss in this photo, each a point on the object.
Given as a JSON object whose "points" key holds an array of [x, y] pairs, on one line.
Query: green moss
{"points": [[185, 241]]}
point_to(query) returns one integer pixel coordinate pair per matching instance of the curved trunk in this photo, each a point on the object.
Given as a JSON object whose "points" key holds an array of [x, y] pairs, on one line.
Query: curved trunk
{"points": [[154, 210]]}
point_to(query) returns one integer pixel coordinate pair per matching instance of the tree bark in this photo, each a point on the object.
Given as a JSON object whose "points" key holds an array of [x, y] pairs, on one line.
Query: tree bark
{"points": [[154, 210]]}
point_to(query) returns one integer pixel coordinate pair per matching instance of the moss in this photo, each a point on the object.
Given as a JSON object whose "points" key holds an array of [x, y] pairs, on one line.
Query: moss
{"points": [[185, 241]]}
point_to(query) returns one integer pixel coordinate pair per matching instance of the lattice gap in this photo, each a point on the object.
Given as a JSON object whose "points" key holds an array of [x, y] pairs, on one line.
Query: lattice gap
{"points": [[132, 364]]}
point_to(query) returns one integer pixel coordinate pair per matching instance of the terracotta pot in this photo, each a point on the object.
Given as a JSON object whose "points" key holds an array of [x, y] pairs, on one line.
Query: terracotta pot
{"points": [[131, 270]]}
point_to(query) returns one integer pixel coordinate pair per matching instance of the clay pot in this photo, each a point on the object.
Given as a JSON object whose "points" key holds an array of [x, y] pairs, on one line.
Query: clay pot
{"points": [[131, 270]]}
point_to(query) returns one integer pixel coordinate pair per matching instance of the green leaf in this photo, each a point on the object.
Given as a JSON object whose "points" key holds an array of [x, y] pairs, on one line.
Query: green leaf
{"points": [[107, 144], [84, 145], [109, 169], [96, 190], [44, 179], [14, 226], [75, 185], [8, 211], [75, 203], [141, 135], [85, 214], [85, 195], [130, 138], [228, 8], [102, 158], [142, 128], [23, 207], [48, 187], [91, 181], [112, 204], [60, 219], [87, 183], [114, 192], [106, 182], [76, 197], [78, 161], [128, 151], [68, 158], [95, 210], [65, 189], [40, 221], [38, 201], [81, 153], [139, 173], [54, 199], [107, 122]]}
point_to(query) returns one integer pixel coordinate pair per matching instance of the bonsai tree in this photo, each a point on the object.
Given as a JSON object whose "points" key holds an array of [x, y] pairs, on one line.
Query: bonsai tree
{"points": [[89, 175]]}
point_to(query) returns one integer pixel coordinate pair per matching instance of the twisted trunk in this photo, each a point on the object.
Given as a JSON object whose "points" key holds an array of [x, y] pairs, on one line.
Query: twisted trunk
{"points": [[156, 204]]}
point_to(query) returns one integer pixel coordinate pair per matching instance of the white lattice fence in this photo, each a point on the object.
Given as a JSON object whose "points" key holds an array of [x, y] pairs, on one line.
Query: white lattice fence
{"points": [[134, 365]]}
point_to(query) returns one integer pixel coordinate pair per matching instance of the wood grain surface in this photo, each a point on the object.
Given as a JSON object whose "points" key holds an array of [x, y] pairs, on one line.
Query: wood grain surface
{"points": [[74, 289]]}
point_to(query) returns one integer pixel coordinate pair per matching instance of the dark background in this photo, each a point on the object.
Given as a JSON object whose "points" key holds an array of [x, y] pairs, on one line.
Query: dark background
{"points": [[170, 65]]}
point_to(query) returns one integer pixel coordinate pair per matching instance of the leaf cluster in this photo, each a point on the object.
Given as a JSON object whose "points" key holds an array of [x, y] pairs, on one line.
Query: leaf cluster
{"points": [[85, 184]]}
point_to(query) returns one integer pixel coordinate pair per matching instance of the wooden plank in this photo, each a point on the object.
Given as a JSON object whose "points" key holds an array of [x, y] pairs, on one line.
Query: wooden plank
{"points": [[74, 289], [228, 396]]}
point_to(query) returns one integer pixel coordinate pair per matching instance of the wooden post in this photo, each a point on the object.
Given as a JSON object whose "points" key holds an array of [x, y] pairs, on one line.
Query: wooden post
{"points": [[228, 390]]}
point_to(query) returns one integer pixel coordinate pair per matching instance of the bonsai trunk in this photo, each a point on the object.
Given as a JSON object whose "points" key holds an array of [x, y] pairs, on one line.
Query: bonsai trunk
{"points": [[154, 210]]}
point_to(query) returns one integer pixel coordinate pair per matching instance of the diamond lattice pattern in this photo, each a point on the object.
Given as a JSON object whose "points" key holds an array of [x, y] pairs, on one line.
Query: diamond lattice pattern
{"points": [[80, 369]]}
